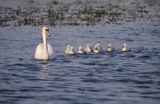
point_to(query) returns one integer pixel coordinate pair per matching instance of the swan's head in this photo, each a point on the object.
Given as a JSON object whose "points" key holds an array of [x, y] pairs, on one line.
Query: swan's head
{"points": [[45, 30]]}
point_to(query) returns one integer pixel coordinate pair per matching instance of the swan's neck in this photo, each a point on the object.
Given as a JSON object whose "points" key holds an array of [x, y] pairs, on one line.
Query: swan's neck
{"points": [[45, 48]]}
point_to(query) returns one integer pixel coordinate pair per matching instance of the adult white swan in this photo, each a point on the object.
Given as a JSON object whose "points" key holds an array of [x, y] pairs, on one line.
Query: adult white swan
{"points": [[44, 50]]}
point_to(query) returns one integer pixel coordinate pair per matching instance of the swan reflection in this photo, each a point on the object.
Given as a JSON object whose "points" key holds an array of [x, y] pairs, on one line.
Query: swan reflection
{"points": [[44, 71]]}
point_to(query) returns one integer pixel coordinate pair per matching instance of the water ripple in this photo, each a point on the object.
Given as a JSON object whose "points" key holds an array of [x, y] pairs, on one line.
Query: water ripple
{"points": [[117, 77]]}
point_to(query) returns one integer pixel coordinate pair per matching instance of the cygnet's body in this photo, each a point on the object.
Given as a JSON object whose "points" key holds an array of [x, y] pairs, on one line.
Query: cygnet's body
{"points": [[125, 48], [98, 48], [109, 48], [88, 48], [69, 50], [80, 50]]}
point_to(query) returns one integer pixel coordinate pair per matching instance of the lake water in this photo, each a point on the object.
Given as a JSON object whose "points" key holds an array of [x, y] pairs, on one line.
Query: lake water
{"points": [[109, 78]]}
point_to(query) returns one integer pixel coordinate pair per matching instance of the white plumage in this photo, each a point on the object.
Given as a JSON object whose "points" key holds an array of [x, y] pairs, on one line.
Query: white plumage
{"points": [[39, 51], [44, 50]]}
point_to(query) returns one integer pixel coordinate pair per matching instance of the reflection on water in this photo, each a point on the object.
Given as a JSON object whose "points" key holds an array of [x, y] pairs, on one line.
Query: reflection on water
{"points": [[44, 71]]}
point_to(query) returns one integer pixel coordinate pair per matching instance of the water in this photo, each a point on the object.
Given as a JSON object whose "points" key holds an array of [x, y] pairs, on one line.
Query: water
{"points": [[115, 78]]}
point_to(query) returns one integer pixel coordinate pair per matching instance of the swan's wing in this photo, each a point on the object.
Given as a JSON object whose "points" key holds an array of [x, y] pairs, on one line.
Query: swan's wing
{"points": [[38, 53], [50, 50]]}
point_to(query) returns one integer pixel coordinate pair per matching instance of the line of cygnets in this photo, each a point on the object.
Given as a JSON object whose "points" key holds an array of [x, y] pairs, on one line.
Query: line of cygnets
{"points": [[97, 49]]}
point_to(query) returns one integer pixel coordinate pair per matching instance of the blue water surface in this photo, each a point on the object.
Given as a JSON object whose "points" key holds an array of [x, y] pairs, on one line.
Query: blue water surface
{"points": [[108, 78]]}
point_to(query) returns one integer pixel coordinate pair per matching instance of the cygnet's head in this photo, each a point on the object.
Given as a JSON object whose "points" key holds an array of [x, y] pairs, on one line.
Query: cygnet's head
{"points": [[71, 48], [88, 45], [80, 48], [97, 44], [68, 46], [124, 45]]}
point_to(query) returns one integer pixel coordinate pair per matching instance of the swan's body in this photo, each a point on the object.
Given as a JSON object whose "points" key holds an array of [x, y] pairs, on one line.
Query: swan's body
{"points": [[98, 48], [69, 50], [80, 50], [44, 50], [109, 48], [125, 48], [39, 50], [88, 48]]}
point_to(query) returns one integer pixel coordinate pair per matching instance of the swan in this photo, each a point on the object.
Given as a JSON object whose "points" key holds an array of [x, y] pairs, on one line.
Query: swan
{"points": [[88, 48], [80, 50], [98, 48], [125, 47], [44, 50], [69, 50], [109, 48]]}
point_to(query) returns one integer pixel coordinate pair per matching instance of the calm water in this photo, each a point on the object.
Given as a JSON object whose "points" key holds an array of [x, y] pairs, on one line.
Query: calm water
{"points": [[115, 78]]}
